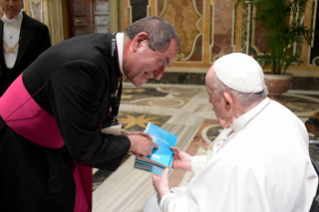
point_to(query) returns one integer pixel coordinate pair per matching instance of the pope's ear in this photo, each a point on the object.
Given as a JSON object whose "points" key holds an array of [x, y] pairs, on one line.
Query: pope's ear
{"points": [[139, 39], [228, 101]]}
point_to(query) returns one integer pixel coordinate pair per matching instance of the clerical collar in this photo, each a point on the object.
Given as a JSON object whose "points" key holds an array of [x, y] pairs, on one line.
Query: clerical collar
{"points": [[16, 19], [120, 46], [245, 118]]}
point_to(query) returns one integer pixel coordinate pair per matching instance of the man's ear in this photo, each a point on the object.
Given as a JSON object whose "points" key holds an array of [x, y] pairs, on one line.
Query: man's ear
{"points": [[138, 39], [228, 101]]}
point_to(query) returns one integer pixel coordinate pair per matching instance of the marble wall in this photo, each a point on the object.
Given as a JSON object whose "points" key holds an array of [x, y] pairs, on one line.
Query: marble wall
{"points": [[209, 29]]}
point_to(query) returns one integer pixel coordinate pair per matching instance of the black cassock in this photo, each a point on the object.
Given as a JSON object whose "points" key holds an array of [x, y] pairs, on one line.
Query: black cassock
{"points": [[76, 76]]}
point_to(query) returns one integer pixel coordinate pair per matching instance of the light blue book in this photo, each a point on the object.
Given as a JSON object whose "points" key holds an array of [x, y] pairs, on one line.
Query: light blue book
{"points": [[141, 162], [150, 168], [163, 156]]}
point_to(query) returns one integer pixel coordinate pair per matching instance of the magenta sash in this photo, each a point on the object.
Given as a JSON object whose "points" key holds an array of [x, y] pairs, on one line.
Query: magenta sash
{"points": [[27, 118], [23, 115]]}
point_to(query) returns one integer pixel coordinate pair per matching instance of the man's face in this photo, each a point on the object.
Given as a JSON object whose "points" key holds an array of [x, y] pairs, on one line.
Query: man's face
{"points": [[11, 7], [219, 102], [146, 64]]}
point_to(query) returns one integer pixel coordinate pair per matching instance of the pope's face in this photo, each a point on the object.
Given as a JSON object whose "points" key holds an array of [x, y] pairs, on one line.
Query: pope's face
{"points": [[146, 63], [11, 7]]}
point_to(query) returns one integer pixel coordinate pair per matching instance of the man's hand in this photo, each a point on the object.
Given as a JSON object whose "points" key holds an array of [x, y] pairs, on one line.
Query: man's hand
{"points": [[182, 160], [161, 184], [127, 133], [141, 143]]}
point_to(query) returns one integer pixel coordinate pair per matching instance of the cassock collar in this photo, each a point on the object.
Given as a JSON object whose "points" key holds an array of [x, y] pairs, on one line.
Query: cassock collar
{"points": [[120, 45], [241, 121]]}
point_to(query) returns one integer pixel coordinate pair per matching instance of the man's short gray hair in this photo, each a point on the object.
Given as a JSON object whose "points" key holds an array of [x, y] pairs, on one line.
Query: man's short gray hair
{"points": [[160, 32], [244, 99]]}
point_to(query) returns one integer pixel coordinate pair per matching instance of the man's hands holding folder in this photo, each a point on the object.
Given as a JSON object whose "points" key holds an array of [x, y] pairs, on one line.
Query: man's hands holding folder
{"points": [[141, 143]]}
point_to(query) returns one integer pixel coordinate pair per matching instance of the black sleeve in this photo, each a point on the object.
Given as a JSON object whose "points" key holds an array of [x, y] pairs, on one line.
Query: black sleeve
{"points": [[75, 93], [45, 41]]}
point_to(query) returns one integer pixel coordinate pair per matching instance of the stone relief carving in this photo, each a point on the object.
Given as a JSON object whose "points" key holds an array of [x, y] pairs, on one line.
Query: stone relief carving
{"points": [[36, 10]]}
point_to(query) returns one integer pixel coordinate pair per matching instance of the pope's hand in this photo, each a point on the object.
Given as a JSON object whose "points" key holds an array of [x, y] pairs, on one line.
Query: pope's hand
{"points": [[182, 160], [140, 143], [161, 184]]}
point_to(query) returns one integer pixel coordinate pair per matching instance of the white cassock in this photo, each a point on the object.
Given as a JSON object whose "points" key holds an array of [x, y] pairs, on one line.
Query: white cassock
{"points": [[263, 166]]}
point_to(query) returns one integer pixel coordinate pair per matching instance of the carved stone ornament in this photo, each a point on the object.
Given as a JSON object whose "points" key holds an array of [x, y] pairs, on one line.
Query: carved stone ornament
{"points": [[36, 1]]}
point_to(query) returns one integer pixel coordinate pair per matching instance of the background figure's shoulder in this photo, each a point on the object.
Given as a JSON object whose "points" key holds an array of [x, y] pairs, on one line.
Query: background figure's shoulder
{"points": [[29, 20]]}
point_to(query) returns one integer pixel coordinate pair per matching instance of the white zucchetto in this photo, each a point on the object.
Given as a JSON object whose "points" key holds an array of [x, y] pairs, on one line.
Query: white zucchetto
{"points": [[240, 72]]}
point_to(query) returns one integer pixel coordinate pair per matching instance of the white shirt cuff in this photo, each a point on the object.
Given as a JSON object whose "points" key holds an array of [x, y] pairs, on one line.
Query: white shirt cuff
{"points": [[198, 162], [168, 202]]}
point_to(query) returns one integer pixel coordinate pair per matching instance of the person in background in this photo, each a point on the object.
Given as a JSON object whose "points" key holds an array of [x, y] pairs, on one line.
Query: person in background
{"points": [[259, 162], [54, 113], [22, 39]]}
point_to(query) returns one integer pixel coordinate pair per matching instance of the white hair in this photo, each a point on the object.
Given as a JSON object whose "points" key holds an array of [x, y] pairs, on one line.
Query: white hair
{"points": [[244, 99]]}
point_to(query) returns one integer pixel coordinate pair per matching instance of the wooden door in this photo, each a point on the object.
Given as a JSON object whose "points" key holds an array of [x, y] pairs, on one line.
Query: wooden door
{"points": [[88, 16], [101, 16], [79, 17]]}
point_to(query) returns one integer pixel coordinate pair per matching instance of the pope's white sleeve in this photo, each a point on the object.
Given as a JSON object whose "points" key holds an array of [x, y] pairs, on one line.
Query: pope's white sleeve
{"points": [[168, 202], [197, 163]]}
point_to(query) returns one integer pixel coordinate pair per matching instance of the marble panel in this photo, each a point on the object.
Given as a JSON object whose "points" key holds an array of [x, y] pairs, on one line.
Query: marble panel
{"points": [[139, 9], [314, 52], [222, 28], [186, 18]]}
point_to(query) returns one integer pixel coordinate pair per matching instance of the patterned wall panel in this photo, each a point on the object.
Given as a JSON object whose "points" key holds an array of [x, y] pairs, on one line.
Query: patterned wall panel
{"points": [[314, 52], [209, 29], [186, 16], [222, 22], [138, 9]]}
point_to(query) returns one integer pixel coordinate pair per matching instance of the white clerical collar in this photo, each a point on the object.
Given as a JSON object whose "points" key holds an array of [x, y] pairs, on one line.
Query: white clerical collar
{"points": [[16, 20], [120, 46], [245, 118]]}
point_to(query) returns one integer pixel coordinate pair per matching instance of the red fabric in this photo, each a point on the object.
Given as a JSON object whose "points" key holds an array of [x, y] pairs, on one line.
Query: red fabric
{"points": [[22, 114], [83, 181]]}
